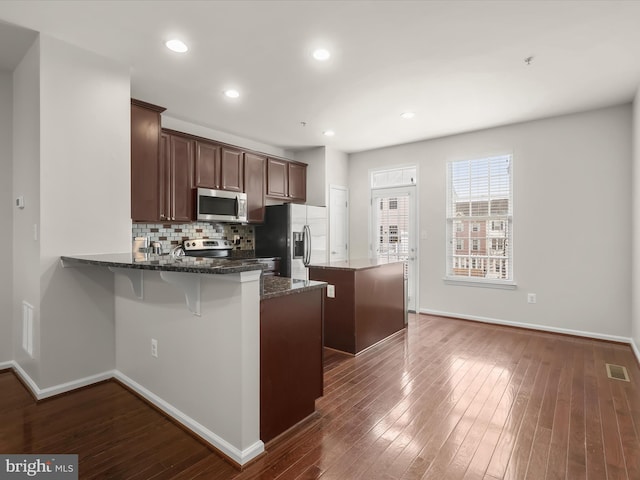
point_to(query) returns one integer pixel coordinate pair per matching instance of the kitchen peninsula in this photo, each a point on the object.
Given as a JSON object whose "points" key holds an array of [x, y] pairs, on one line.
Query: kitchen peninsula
{"points": [[368, 303], [197, 361]]}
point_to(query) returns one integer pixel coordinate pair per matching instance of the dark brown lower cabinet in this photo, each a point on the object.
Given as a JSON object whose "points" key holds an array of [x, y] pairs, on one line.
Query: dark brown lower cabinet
{"points": [[290, 360]]}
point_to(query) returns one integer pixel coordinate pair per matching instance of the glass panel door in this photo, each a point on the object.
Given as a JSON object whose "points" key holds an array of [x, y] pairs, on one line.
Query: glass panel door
{"points": [[394, 229]]}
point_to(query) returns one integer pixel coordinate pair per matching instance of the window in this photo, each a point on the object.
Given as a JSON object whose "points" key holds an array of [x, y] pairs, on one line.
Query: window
{"points": [[480, 195]]}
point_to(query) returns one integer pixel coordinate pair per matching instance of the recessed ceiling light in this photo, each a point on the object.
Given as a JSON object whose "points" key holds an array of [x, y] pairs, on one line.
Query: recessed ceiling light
{"points": [[231, 93], [407, 115], [177, 45], [328, 133], [321, 54]]}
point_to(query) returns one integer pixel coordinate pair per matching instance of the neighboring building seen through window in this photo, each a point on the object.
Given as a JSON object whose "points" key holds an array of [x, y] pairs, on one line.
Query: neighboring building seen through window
{"points": [[480, 219]]}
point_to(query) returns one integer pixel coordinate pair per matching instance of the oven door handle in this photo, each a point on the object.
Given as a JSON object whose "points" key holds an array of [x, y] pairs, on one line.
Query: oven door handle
{"points": [[237, 206]]}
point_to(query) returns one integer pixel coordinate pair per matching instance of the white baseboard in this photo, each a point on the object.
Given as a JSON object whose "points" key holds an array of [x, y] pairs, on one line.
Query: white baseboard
{"points": [[5, 365], [635, 349], [532, 326], [42, 393], [239, 456]]}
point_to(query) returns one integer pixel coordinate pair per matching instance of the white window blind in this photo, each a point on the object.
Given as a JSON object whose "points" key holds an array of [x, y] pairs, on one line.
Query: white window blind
{"points": [[480, 219]]}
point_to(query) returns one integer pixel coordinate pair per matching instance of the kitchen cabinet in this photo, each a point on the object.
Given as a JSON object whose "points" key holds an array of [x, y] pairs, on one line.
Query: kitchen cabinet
{"points": [[254, 166], [297, 182], [176, 172], [290, 360], [277, 178], [231, 168], [218, 167], [207, 165], [286, 180], [145, 158]]}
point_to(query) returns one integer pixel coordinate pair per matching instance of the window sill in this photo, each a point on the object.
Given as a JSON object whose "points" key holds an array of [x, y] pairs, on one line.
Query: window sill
{"points": [[481, 282]]}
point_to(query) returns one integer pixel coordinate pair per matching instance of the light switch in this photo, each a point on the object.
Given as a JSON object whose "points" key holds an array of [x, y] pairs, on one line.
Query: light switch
{"points": [[331, 291]]}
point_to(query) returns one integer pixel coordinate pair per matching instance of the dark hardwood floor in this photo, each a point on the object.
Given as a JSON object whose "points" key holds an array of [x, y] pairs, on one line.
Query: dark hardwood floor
{"points": [[449, 399]]}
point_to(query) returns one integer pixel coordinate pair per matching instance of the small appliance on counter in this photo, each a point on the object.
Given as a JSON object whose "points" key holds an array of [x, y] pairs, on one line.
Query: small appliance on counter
{"points": [[207, 247]]}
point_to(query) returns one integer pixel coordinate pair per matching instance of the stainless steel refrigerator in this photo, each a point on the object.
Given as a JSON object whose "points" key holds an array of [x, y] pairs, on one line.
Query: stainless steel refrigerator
{"points": [[295, 233]]}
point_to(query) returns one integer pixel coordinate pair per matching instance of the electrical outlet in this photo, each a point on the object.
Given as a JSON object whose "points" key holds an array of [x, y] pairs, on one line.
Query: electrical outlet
{"points": [[331, 291], [531, 298], [154, 348]]}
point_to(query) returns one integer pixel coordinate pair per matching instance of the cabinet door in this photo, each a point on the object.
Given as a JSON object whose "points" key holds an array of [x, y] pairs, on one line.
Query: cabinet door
{"points": [[298, 182], [254, 187], [145, 181], [231, 167], [277, 178], [207, 165], [181, 179], [164, 176]]}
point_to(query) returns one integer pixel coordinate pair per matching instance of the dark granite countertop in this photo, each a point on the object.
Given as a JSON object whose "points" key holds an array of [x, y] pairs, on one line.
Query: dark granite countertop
{"points": [[166, 262], [274, 286], [355, 264]]}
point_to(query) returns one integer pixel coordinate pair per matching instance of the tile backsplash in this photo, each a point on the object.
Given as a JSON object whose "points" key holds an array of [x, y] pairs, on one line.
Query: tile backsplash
{"points": [[170, 234]]}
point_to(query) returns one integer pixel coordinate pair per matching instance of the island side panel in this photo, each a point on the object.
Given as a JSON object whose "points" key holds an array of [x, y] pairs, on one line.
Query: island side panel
{"points": [[379, 303], [291, 374], [339, 313]]}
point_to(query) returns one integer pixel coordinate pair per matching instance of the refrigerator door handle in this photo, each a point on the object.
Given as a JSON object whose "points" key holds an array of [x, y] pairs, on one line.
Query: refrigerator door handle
{"points": [[307, 245]]}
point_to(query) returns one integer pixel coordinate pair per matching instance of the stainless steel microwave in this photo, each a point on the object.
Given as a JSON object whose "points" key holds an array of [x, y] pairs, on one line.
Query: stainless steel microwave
{"points": [[221, 206]]}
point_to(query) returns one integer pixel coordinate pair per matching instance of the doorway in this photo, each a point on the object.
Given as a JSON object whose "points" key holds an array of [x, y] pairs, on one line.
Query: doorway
{"points": [[394, 230]]}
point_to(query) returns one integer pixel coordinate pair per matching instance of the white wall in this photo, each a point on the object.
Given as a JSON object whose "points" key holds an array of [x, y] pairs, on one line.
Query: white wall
{"points": [[71, 163], [182, 126], [316, 175], [572, 220], [635, 182], [337, 167], [6, 217], [85, 205], [26, 182]]}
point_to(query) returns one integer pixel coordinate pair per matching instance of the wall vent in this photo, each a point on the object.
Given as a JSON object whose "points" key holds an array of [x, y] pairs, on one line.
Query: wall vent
{"points": [[617, 372], [27, 328]]}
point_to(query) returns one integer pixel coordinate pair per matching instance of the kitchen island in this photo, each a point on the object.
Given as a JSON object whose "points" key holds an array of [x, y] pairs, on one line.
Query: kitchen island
{"points": [[199, 360], [368, 303]]}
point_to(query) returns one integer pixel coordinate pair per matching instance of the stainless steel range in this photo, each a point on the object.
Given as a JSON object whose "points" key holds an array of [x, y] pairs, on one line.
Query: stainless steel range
{"points": [[207, 247]]}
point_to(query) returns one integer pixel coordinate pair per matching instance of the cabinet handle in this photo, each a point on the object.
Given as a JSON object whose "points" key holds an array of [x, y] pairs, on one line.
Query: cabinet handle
{"points": [[161, 217]]}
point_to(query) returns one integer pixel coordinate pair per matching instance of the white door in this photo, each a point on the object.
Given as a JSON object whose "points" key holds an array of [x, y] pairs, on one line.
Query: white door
{"points": [[338, 223], [394, 231]]}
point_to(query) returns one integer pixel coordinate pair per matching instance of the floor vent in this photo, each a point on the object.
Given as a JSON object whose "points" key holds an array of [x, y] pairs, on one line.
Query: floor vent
{"points": [[617, 372]]}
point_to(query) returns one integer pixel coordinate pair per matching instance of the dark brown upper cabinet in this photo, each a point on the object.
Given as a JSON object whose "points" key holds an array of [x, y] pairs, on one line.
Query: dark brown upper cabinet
{"points": [[254, 183], [231, 170], [207, 165], [145, 158], [297, 182], [286, 180], [277, 178], [176, 198], [218, 167]]}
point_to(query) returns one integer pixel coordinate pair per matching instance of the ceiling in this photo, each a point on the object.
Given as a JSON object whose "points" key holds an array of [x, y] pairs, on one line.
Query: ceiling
{"points": [[459, 65]]}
